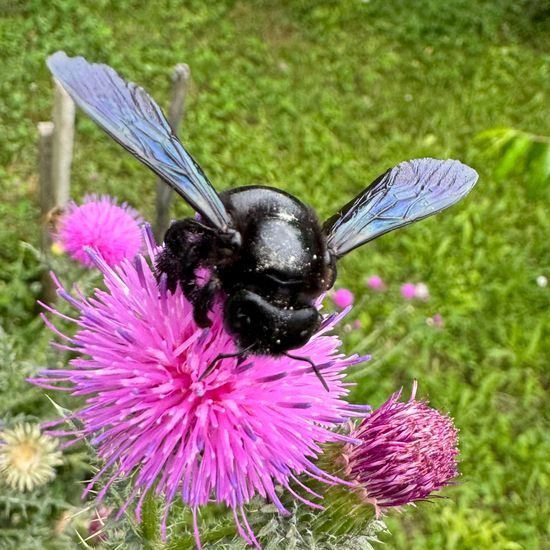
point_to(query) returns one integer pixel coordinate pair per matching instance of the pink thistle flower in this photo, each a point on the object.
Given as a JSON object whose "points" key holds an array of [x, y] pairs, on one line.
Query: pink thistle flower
{"points": [[342, 298], [102, 224], [408, 291], [376, 283], [244, 430], [436, 321], [408, 451], [97, 523]]}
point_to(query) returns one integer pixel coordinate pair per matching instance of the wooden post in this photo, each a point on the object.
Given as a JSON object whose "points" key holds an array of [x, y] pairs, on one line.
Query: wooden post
{"points": [[47, 200], [180, 81], [62, 151]]}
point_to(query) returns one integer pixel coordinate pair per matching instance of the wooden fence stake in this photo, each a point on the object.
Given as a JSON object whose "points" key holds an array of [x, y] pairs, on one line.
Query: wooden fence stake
{"points": [[62, 151], [47, 200], [180, 82]]}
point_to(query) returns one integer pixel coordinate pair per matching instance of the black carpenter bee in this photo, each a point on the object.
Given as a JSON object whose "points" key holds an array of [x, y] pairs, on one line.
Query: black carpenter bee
{"points": [[265, 250]]}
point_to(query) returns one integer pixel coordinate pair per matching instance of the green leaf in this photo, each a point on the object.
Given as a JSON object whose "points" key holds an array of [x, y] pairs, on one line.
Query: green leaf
{"points": [[513, 155]]}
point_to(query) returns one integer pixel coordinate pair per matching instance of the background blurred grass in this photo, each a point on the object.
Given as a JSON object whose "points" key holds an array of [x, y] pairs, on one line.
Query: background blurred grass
{"points": [[318, 98]]}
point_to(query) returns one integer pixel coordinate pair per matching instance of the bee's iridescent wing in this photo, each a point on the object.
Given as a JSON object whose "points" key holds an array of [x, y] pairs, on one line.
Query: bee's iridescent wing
{"points": [[133, 119], [409, 192]]}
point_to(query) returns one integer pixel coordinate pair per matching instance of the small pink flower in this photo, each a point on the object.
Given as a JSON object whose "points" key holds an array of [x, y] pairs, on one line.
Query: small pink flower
{"points": [[436, 321], [409, 450], [101, 224], [97, 523], [356, 325], [376, 283], [408, 291], [342, 298]]}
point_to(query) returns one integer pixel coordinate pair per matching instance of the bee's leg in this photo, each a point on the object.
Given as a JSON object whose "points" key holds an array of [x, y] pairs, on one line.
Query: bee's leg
{"points": [[240, 355], [314, 367], [202, 299], [187, 243]]}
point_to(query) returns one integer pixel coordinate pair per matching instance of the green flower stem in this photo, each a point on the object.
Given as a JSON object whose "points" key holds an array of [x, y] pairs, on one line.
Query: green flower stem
{"points": [[150, 521]]}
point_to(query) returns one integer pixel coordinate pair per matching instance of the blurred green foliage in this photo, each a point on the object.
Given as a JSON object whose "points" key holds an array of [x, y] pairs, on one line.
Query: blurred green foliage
{"points": [[318, 98], [518, 152]]}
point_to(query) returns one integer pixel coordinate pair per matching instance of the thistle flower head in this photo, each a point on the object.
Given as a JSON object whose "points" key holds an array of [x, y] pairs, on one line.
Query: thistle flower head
{"points": [[100, 223], [420, 291], [408, 450], [343, 298], [247, 427], [408, 291], [97, 523], [375, 282], [436, 321], [27, 457]]}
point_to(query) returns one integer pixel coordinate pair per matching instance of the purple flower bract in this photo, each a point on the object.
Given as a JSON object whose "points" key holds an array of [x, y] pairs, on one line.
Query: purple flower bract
{"points": [[409, 450], [100, 223], [243, 430]]}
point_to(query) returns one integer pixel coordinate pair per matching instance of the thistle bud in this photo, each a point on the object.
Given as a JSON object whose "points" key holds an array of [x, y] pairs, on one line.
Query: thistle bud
{"points": [[408, 451]]}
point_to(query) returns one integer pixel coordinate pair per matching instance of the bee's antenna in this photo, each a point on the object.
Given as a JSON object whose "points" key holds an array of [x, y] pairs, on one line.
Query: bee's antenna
{"points": [[241, 354], [313, 366]]}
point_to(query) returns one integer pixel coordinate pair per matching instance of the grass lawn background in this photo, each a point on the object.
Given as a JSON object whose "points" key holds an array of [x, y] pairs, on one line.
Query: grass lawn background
{"points": [[318, 98]]}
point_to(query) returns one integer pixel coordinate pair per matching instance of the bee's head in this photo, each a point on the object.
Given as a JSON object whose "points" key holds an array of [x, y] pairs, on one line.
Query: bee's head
{"points": [[266, 328]]}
